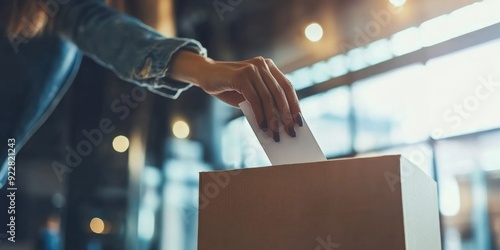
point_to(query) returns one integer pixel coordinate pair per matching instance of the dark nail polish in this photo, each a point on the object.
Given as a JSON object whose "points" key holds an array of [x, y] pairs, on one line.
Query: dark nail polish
{"points": [[276, 136], [298, 119], [263, 125], [291, 132]]}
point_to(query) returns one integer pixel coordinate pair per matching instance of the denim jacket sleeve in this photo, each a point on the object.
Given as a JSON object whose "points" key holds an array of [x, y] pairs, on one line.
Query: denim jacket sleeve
{"points": [[134, 51]]}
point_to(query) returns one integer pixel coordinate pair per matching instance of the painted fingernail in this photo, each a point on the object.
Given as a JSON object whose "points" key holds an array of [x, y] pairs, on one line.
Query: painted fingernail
{"points": [[299, 120], [263, 126], [291, 132], [276, 135]]}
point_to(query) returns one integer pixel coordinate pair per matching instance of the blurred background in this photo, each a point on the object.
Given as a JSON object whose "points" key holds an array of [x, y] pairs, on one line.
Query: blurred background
{"points": [[417, 77]]}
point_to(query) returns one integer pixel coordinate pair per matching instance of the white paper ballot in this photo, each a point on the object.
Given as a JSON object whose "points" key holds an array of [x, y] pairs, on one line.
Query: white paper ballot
{"points": [[288, 150]]}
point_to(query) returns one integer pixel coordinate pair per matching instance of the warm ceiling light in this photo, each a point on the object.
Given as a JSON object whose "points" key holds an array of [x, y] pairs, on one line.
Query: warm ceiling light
{"points": [[397, 3], [180, 129], [314, 32], [120, 144], [97, 225]]}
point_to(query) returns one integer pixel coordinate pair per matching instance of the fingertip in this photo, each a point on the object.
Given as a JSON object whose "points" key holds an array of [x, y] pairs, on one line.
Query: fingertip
{"points": [[276, 136], [291, 131], [299, 120], [263, 125]]}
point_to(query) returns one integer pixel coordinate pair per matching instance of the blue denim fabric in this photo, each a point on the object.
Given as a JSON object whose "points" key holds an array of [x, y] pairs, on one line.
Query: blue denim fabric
{"points": [[36, 72], [134, 51]]}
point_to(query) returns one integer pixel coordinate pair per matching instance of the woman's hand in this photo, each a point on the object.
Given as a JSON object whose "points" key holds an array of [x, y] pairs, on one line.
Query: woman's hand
{"points": [[258, 80]]}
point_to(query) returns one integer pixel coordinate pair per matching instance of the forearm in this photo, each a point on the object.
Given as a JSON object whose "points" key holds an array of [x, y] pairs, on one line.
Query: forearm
{"points": [[134, 51], [190, 67]]}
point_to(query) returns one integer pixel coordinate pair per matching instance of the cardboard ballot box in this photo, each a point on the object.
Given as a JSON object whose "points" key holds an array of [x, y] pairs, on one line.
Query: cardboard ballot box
{"points": [[383, 203]]}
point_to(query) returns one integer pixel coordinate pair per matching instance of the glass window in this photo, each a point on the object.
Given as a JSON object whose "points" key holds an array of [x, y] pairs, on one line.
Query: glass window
{"points": [[180, 204], [406, 41], [337, 65], [327, 115], [320, 72], [378, 51], [465, 90], [356, 59], [301, 78], [469, 183], [231, 138], [391, 109]]}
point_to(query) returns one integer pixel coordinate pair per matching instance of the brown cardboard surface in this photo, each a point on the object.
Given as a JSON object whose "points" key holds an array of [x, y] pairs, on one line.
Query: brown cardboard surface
{"points": [[337, 204]]}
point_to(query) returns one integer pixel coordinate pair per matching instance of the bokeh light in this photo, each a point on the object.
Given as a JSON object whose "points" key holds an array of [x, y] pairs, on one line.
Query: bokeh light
{"points": [[120, 144], [97, 225], [181, 129], [314, 32], [397, 3]]}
